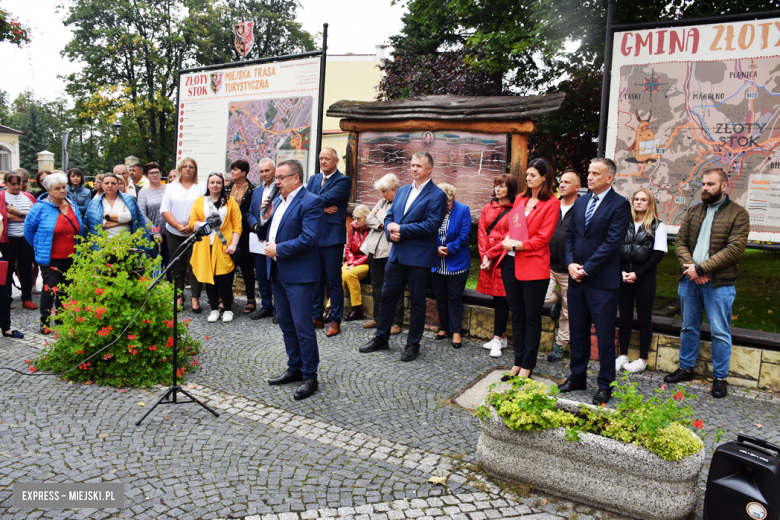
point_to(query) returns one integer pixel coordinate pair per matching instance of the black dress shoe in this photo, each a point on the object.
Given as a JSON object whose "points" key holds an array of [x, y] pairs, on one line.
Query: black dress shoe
{"points": [[287, 377], [374, 345], [602, 396], [275, 320], [678, 376], [262, 313], [456, 345], [411, 351], [720, 388], [307, 388], [440, 337], [570, 386]]}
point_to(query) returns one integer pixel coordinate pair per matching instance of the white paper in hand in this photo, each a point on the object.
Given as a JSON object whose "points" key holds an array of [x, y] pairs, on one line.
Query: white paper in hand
{"points": [[255, 245]]}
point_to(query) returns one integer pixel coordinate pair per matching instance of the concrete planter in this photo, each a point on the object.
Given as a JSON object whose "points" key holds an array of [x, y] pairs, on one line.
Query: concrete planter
{"points": [[597, 471]]}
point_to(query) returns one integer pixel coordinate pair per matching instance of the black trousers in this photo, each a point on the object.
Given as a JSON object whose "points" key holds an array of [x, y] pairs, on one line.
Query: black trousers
{"points": [[397, 276], [5, 309], [222, 287], [501, 314], [377, 281], [19, 252], [174, 241], [448, 290], [247, 266], [53, 276], [526, 299], [643, 292]]}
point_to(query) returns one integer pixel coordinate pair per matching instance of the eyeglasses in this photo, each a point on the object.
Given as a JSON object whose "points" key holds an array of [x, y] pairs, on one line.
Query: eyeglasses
{"points": [[280, 177]]}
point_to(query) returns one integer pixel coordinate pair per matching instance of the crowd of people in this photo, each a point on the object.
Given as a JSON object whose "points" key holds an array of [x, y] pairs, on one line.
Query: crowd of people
{"points": [[588, 255]]}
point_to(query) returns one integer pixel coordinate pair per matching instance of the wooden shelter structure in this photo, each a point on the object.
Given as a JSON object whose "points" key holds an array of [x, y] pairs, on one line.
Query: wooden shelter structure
{"points": [[465, 135]]}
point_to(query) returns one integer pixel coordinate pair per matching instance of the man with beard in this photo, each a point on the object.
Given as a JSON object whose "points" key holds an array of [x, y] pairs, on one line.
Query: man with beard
{"points": [[709, 245]]}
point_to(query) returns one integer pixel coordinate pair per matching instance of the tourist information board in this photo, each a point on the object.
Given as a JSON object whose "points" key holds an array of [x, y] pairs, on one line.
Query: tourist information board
{"points": [[687, 99]]}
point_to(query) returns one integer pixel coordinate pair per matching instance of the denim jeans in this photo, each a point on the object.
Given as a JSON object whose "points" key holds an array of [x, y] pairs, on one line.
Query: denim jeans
{"points": [[717, 302]]}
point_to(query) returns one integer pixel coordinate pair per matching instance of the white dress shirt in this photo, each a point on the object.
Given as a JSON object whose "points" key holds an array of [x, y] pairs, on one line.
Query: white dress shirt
{"points": [[414, 193], [279, 213], [599, 200]]}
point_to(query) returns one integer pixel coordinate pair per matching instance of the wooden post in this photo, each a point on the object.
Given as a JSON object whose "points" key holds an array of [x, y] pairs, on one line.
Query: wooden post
{"points": [[519, 159], [352, 162]]}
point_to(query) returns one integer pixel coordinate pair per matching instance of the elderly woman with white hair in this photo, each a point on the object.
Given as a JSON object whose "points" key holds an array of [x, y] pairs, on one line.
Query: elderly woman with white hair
{"points": [[377, 247], [355, 267], [51, 228]]}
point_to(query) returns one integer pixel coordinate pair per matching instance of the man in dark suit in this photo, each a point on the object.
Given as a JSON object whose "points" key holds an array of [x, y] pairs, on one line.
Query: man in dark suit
{"points": [[412, 224], [597, 229], [293, 267], [334, 188], [267, 173]]}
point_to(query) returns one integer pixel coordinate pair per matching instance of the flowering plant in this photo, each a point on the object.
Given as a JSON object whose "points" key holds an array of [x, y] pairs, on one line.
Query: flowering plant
{"points": [[107, 286], [11, 30], [661, 423]]}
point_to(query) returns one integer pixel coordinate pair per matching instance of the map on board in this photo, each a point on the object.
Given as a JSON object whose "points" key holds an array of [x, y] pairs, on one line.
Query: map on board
{"points": [[279, 129], [678, 119]]}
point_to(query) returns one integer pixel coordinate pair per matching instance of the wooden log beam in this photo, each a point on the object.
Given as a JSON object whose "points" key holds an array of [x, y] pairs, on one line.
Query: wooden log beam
{"points": [[416, 125], [519, 159], [352, 162]]}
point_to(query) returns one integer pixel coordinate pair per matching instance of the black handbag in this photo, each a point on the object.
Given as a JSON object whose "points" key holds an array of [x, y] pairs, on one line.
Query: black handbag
{"points": [[236, 256]]}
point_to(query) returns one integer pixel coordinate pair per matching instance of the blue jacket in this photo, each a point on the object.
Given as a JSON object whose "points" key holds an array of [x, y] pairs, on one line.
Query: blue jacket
{"points": [[94, 217], [81, 197], [597, 247], [297, 252], [419, 226], [40, 223], [253, 216], [457, 239], [336, 192]]}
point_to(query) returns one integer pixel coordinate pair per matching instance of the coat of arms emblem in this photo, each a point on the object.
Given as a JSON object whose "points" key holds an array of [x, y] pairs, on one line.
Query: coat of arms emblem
{"points": [[516, 218], [244, 37], [216, 82]]}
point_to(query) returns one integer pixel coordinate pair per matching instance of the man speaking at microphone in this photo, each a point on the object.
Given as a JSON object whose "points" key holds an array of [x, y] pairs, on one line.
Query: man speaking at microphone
{"points": [[294, 219]]}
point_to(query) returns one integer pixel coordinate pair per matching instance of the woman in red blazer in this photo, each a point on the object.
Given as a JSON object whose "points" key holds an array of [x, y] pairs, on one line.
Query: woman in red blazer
{"points": [[526, 278]]}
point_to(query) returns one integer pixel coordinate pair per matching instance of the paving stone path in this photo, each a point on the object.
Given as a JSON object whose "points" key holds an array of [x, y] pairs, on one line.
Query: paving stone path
{"points": [[362, 448]]}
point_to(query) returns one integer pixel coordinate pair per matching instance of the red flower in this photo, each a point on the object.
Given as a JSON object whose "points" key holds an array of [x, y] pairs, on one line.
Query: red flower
{"points": [[678, 396], [79, 352], [99, 291], [27, 361], [131, 336], [698, 423], [207, 337], [46, 287], [33, 369], [54, 289], [104, 331], [79, 319], [169, 323], [107, 356]]}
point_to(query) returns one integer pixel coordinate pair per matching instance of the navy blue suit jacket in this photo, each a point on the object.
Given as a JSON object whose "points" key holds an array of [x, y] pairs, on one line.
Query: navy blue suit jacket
{"points": [[253, 217], [336, 192], [297, 253], [419, 226], [597, 247]]}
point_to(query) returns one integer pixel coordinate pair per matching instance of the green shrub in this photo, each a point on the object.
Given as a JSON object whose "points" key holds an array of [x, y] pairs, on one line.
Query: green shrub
{"points": [[105, 292], [660, 424]]}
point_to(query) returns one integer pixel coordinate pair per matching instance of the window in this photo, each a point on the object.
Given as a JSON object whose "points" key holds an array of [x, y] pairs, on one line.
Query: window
{"points": [[5, 159]]}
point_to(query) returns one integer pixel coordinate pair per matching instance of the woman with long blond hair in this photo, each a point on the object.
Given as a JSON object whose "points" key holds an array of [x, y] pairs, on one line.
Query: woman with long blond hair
{"points": [[642, 250]]}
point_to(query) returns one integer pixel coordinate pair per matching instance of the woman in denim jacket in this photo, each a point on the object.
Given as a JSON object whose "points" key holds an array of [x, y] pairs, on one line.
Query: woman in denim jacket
{"points": [[79, 193]]}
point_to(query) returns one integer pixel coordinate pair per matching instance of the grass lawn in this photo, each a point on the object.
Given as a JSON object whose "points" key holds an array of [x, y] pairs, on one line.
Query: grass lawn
{"points": [[757, 305]]}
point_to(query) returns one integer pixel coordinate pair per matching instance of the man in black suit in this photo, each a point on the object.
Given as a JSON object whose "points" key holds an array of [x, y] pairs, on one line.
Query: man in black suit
{"points": [[597, 230]]}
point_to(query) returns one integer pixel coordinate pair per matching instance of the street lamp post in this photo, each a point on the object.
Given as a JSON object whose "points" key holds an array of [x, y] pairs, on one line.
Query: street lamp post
{"points": [[117, 132]]}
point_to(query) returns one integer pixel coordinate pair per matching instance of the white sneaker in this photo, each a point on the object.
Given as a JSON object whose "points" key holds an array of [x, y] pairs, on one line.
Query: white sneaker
{"points": [[619, 362], [635, 367], [503, 343], [227, 316], [495, 352], [489, 344], [214, 316]]}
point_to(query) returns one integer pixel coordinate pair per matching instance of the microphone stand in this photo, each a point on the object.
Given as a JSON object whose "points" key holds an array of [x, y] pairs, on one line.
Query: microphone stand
{"points": [[170, 396]]}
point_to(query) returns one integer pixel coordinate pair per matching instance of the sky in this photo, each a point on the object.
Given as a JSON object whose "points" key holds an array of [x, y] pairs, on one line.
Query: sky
{"points": [[354, 26]]}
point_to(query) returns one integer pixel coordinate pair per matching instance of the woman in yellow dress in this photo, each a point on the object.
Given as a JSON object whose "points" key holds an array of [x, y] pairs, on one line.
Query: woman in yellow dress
{"points": [[211, 261]]}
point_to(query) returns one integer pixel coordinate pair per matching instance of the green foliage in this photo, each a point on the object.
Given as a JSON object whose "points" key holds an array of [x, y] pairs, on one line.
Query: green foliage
{"points": [[528, 405], [33, 140], [13, 31], [661, 424], [105, 292]]}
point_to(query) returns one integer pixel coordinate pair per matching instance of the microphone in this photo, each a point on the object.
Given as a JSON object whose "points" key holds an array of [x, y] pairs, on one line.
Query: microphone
{"points": [[271, 197], [214, 221]]}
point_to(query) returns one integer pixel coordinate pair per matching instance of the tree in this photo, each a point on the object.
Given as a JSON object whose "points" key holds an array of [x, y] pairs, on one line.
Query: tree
{"points": [[33, 140], [12, 31], [131, 47]]}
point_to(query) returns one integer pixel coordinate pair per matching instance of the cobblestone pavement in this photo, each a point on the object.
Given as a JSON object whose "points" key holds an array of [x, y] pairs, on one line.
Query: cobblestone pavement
{"points": [[362, 447]]}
